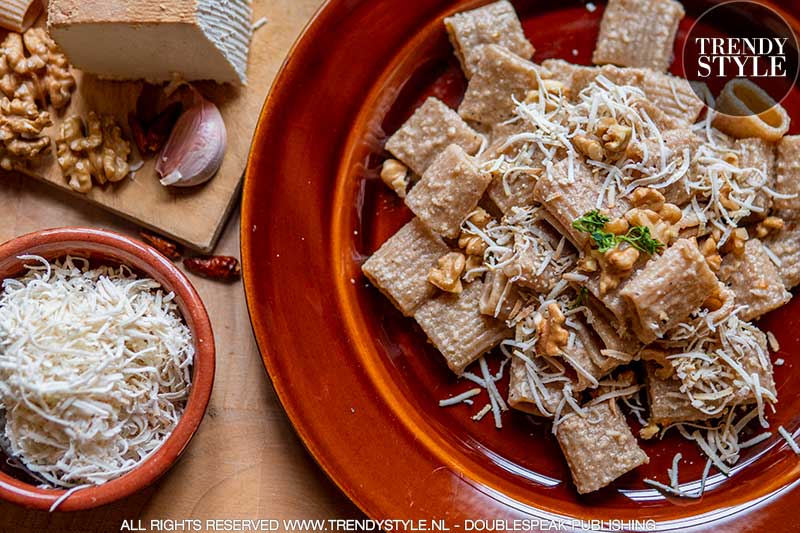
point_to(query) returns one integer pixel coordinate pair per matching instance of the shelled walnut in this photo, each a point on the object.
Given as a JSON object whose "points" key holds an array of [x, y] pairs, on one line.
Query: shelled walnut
{"points": [[472, 244], [615, 266], [615, 136], [708, 248], [769, 225], [652, 211], [33, 74], [21, 133], [736, 241], [33, 67], [56, 80], [395, 175], [447, 274], [94, 150], [609, 140], [553, 337]]}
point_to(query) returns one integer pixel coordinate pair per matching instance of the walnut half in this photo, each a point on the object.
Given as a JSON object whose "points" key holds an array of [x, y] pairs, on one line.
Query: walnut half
{"points": [[56, 80], [21, 133], [33, 72], [553, 337], [96, 150], [447, 275]]}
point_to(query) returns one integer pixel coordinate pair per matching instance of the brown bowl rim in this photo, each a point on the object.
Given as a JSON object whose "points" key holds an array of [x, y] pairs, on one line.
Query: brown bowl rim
{"points": [[157, 266]]}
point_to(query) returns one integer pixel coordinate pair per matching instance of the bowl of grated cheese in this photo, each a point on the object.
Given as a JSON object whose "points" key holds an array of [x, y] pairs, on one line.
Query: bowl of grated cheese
{"points": [[106, 367]]}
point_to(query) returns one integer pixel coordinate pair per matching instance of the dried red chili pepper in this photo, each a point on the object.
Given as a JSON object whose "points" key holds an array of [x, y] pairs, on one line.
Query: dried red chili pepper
{"points": [[168, 248], [159, 130], [221, 267], [139, 135]]}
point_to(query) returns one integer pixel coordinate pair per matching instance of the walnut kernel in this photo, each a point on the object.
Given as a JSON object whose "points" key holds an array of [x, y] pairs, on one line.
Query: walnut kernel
{"points": [[395, 175], [447, 275], [553, 337], [101, 153], [736, 241], [589, 147], [709, 250], [769, 225]]}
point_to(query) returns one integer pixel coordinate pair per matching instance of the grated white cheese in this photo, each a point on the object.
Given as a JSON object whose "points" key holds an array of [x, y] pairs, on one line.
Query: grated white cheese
{"points": [[619, 393], [260, 23], [673, 472], [789, 439], [61, 499], [773, 342], [761, 437], [95, 370], [459, 398], [477, 417]]}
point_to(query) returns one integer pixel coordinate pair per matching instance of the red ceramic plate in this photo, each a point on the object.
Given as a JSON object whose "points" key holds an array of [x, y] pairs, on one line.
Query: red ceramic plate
{"points": [[357, 379]]}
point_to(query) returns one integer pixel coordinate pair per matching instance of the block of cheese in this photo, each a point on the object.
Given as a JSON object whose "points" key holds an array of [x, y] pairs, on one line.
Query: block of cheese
{"points": [[155, 40]]}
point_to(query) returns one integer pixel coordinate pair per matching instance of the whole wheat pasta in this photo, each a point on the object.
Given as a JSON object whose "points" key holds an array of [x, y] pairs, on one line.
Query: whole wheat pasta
{"points": [[738, 105], [600, 221]]}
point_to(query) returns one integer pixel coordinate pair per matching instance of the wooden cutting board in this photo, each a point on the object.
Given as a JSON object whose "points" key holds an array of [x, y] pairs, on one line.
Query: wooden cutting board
{"points": [[193, 216]]}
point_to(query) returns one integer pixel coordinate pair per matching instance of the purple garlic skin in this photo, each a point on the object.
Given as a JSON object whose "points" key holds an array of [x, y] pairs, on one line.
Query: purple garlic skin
{"points": [[195, 148]]}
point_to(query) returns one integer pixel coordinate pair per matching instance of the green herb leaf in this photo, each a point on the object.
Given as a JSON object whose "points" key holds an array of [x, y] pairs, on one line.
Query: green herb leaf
{"points": [[605, 241], [639, 237], [591, 222]]}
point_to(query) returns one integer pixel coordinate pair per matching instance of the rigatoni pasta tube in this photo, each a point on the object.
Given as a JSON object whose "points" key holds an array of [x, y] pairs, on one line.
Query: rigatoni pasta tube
{"points": [[746, 110], [19, 15]]}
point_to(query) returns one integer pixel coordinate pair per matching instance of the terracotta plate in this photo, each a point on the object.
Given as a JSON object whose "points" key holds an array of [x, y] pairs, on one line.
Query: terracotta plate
{"points": [[357, 379]]}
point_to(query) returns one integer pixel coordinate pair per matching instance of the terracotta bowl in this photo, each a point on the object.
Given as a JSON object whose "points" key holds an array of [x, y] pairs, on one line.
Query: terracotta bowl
{"points": [[109, 247], [357, 379]]}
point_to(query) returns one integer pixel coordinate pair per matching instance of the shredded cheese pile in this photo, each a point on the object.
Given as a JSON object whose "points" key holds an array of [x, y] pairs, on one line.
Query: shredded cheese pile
{"points": [[551, 121], [95, 370], [722, 364], [518, 233], [711, 175], [719, 179], [542, 371]]}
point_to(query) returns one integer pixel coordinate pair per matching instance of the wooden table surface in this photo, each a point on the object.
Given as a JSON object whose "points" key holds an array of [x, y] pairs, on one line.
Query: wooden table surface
{"points": [[245, 461]]}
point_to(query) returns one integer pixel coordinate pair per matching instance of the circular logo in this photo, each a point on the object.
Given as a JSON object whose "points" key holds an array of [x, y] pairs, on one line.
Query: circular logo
{"points": [[735, 46]]}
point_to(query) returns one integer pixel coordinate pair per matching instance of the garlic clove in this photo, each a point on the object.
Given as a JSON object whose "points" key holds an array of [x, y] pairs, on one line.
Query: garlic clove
{"points": [[195, 148]]}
